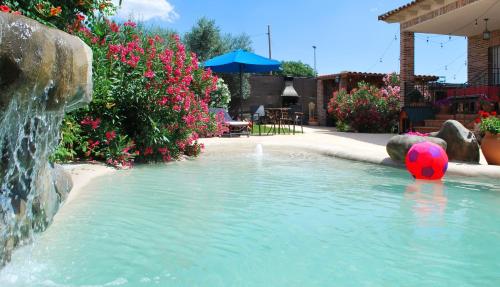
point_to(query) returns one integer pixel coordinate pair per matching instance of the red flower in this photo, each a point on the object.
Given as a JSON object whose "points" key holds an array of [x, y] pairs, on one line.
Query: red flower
{"points": [[90, 122], [493, 113], [17, 13], [92, 144], [485, 114], [149, 74], [115, 28], [80, 17], [4, 8], [148, 151], [163, 150], [54, 11], [478, 120], [110, 135], [130, 24]]}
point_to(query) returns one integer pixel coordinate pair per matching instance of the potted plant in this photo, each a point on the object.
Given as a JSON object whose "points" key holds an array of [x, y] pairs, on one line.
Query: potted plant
{"points": [[489, 124]]}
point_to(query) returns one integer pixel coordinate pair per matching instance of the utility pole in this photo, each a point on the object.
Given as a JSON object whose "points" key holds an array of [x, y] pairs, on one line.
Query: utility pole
{"points": [[315, 70], [269, 39]]}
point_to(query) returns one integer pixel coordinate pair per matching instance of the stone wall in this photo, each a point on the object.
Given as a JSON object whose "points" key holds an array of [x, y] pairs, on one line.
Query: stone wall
{"points": [[266, 90], [477, 57]]}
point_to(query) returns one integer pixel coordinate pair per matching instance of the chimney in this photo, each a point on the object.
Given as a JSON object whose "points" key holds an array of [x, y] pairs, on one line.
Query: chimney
{"points": [[289, 96]]}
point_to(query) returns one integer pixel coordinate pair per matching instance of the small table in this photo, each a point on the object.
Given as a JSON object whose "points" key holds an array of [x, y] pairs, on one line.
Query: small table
{"points": [[276, 117]]}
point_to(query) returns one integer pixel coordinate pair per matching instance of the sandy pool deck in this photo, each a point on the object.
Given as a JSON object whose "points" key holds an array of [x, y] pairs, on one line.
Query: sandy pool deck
{"points": [[82, 174], [353, 146]]}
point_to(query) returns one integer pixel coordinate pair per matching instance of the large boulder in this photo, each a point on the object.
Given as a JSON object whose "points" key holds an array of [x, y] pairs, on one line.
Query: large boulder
{"points": [[398, 146], [38, 60], [43, 73], [462, 143]]}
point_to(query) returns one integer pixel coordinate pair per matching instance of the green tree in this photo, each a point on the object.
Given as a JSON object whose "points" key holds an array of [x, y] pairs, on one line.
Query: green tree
{"points": [[204, 39], [207, 41], [296, 69]]}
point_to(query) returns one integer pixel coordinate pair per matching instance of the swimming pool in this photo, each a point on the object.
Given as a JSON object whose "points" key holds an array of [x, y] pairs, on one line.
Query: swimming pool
{"points": [[266, 217]]}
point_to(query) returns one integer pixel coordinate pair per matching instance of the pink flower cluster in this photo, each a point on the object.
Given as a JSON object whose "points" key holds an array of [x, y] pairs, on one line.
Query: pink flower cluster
{"points": [[160, 78], [93, 123]]}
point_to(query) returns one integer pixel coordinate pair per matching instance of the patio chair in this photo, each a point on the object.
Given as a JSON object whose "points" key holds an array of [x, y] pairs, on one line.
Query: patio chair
{"points": [[235, 127]]}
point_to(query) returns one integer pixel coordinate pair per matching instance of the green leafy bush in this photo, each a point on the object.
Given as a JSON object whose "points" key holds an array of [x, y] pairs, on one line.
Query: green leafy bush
{"points": [[221, 97], [367, 108], [61, 14], [150, 100]]}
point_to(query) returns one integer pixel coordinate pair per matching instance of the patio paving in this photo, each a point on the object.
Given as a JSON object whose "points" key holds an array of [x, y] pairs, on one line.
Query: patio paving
{"points": [[353, 146]]}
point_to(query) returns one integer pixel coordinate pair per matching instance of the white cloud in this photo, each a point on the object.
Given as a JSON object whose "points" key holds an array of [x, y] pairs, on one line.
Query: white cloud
{"points": [[146, 10]]}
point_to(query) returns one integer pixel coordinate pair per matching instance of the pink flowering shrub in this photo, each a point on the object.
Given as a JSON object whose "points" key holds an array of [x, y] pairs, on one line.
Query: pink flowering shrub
{"points": [[150, 100], [367, 108]]}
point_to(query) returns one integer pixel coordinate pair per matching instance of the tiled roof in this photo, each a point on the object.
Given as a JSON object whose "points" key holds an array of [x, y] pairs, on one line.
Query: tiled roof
{"points": [[388, 14], [368, 74]]}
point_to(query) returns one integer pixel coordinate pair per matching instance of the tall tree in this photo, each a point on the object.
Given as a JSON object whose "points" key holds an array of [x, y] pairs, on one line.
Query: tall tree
{"points": [[204, 39], [296, 69]]}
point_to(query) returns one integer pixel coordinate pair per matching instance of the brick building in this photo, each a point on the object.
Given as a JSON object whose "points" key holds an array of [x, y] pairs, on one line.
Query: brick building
{"points": [[478, 20], [347, 80]]}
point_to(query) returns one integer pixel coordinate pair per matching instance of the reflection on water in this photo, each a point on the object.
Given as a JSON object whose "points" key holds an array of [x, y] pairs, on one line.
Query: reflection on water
{"points": [[429, 200]]}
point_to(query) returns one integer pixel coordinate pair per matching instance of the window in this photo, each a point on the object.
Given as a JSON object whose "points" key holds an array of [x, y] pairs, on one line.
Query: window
{"points": [[494, 65]]}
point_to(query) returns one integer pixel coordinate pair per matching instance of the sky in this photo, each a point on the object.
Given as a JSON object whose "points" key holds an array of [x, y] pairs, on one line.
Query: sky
{"points": [[347, 33]]}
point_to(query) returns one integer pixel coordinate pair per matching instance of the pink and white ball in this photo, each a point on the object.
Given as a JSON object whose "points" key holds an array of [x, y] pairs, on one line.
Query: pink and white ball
{"points": [[427, 160]]}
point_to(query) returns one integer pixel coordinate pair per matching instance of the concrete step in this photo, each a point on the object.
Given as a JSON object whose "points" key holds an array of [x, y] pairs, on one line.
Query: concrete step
{"points": [[456, 117], [444, 117]]}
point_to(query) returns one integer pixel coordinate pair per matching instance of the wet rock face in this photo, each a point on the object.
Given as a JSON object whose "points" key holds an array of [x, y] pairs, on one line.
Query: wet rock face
{"points": [[43, 73], [398, 146], [462, 143], [41, 60]]}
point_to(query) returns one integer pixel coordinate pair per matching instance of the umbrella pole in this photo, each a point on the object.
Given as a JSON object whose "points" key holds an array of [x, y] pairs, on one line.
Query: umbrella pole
{"points": [[241, 93]]}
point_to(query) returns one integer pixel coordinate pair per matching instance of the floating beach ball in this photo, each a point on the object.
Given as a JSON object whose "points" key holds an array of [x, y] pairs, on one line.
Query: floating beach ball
{"points": [[427, 160]]}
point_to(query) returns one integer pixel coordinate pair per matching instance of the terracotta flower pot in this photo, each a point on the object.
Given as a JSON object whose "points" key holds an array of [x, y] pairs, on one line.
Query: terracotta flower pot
{"points": [[490, 145]]}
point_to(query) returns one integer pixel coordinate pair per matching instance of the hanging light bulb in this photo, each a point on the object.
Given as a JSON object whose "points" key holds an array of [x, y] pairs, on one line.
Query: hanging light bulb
{"points": [[441, 45], [486, 33], [476, 22], [427, 39], [380, 60], [446, 68]]}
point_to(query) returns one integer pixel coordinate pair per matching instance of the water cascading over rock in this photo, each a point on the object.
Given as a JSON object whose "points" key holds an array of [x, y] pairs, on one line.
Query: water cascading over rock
{"points": [[44, 73]]}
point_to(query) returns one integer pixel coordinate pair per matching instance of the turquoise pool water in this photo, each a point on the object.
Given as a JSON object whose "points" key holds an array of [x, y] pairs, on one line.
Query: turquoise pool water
{"points": [[268, 218]]}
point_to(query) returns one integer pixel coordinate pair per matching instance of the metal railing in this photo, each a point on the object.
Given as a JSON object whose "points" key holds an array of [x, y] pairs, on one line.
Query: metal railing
{"points": [[467, 97]]}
